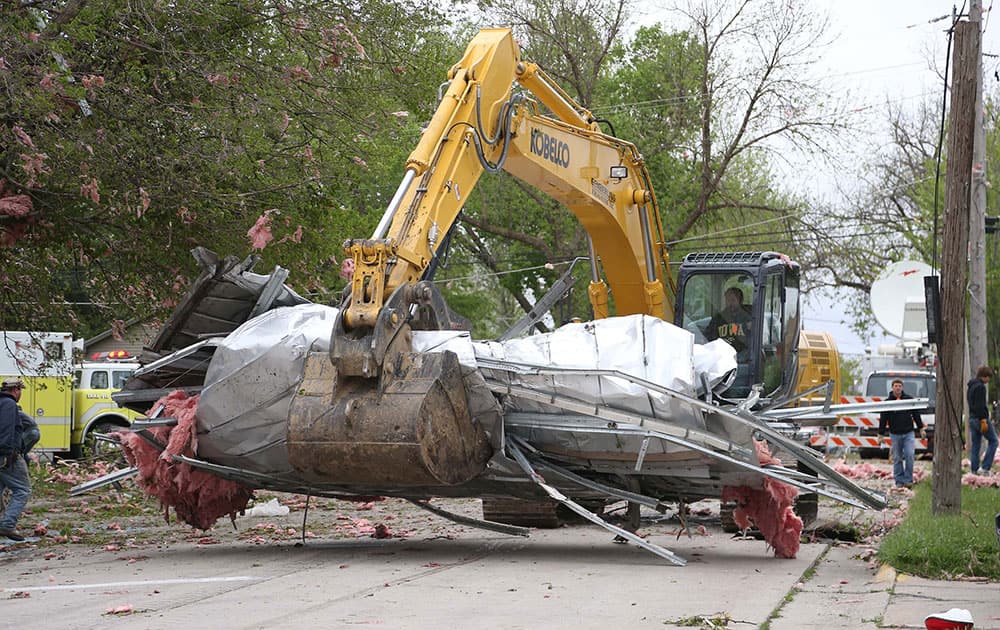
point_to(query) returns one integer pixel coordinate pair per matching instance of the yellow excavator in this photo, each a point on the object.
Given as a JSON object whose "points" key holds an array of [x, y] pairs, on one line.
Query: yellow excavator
{"points": [[481, 126], [377, 413]]}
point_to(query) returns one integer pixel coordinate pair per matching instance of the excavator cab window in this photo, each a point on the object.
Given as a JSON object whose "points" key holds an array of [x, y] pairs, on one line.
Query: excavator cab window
{"points": [[772, 347], [720, 306], [779, 337], [752, 304], [792, 328]]}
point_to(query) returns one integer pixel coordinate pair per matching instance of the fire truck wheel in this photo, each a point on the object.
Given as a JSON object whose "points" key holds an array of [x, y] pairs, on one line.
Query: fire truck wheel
{"points": [[97, 447]]}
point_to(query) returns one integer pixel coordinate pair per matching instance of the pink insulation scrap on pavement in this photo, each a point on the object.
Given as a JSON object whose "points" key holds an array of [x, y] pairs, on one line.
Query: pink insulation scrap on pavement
{"points": [[198, 497], [769, 508]]}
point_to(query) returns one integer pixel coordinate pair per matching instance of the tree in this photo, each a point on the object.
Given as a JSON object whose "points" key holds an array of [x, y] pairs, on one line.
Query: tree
{"points": [[651, 95], [132, 132], [890, 217], [896, 212], [992, 244], [850, 375], [708, 126], [755, 102], [570, 39]]}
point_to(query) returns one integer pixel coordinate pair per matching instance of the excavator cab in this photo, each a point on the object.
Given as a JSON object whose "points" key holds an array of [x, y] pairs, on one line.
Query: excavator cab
{"points": [[750, 300]]}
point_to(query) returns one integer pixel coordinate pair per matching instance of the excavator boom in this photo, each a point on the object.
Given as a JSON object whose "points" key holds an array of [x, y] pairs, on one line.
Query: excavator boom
{"points": [[482, 125]]}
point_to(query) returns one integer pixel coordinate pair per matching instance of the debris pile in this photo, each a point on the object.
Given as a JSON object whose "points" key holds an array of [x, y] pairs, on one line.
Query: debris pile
{"points": [[866, 471], [985, 480], [199, 498]]}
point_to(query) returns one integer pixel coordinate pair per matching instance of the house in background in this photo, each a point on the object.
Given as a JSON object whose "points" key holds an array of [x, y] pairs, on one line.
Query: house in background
{"points": [[138, 334]]}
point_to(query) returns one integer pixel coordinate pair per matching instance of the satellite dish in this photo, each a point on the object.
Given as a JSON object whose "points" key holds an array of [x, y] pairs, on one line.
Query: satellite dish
{"points": [[897, 299]]}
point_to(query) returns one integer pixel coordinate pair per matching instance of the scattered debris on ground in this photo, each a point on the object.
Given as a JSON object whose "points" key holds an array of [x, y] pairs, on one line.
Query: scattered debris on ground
{"points": [[122, 519]]}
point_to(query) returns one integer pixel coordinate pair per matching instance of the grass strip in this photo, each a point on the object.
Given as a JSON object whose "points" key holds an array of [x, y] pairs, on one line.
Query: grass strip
{"points": [[946, 546]]}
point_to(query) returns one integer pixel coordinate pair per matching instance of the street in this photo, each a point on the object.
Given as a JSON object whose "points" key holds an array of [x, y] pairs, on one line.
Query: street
{"points": [[388, 563], [565, 578]]}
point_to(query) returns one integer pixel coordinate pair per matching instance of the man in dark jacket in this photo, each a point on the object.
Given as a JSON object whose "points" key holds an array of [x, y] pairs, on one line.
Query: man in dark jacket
{"points": [[979, 421], [900, 425], [13, 468]]}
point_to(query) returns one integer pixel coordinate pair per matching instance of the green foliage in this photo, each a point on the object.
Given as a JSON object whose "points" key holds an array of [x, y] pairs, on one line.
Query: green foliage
{"points": [[136, 132], [651, 97], [569, 39], [133, 132], [992, 243], [945, 546], [659, 95], [648, 92]]}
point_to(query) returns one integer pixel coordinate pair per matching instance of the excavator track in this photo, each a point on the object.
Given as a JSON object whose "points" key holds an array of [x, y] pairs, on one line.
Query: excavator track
{"points": [[543, 514]]}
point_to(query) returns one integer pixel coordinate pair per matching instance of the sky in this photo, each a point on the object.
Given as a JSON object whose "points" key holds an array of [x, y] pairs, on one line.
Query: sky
{"points": [[879, 52], [887, 51]]}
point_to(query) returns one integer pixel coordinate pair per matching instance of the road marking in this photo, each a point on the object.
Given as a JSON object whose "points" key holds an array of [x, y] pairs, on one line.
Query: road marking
{"points": [[69, 587]]}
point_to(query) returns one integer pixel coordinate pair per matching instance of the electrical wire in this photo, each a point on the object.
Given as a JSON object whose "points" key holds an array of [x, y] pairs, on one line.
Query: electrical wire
{"points": [[803, 235], [742, 227], [478, 276], [673, 100], [741, 243]]}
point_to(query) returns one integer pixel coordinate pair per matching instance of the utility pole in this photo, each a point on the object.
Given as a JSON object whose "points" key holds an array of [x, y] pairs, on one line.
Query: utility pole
{"points": [[978, 352], [947, 486]]}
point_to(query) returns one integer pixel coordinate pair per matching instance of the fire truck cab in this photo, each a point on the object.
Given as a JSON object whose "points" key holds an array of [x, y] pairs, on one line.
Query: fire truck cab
{"points": [[93, 410]]}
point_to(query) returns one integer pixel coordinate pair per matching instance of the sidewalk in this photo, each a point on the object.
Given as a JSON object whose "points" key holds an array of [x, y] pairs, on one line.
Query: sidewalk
{"points": [[845, 592]]}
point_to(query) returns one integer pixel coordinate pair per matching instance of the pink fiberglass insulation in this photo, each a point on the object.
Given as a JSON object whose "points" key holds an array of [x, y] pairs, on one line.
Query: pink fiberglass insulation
{"points": [[198, 497], [769, 508]]}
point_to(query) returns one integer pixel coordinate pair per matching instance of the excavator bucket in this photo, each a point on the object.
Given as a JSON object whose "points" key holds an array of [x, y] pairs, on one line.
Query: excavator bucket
{"points": [[414, 429]]}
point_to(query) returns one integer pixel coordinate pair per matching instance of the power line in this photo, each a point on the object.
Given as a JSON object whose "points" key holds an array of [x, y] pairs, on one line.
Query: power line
{"points": [[671, 100], [750, 225]]}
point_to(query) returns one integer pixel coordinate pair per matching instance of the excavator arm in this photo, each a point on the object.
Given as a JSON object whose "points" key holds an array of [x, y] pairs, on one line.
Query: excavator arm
{"points": [[482, 125]]}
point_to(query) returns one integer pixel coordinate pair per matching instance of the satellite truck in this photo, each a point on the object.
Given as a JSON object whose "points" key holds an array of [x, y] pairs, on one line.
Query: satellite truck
{"points": [[898, 305]]}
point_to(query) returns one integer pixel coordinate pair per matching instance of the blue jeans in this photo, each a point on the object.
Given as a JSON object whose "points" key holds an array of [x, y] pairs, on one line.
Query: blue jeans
{"points": [[976, 440], [903, 445], [16, 480]]}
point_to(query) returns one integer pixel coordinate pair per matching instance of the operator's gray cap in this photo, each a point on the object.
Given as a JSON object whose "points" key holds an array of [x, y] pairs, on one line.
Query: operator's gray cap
{"points": [[11, 383]]}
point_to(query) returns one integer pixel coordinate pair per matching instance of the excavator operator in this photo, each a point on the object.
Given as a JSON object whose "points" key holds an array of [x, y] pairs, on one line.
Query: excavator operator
{"points": [[732, 322]]}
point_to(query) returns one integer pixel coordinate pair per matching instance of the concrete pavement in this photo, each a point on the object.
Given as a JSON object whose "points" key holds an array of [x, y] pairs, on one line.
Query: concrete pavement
{"points": [[573, 577]]}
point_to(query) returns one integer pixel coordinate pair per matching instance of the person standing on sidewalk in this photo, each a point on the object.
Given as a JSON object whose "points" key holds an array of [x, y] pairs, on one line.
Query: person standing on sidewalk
{"points": [[13, 468], [979, 421], [899, 425]]}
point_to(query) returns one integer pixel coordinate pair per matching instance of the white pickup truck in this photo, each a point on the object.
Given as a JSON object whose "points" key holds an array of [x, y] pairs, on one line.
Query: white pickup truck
{"points": [[916, 383]]}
